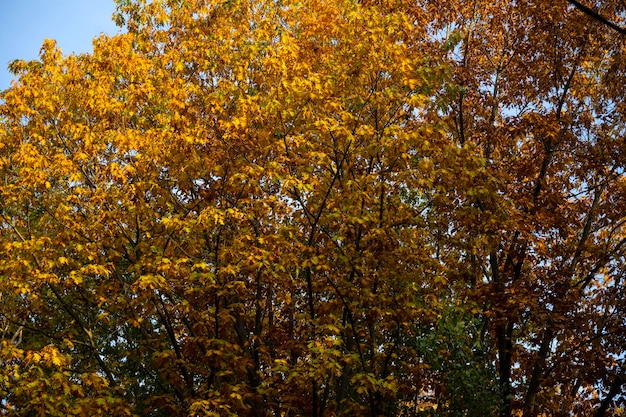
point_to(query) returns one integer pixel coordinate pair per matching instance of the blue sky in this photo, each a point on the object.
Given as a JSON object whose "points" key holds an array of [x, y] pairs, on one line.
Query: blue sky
{"points": [[24, 24]]}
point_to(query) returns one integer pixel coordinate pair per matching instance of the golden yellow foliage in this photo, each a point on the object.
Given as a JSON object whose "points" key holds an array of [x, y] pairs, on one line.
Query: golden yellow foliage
{"points": [[318, 207]]}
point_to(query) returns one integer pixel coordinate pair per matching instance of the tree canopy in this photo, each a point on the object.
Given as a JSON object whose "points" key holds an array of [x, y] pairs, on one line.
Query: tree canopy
{"points": [[320, 208]]}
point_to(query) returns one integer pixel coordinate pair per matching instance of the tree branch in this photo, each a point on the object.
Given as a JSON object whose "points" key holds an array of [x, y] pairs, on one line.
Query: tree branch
{"points": [[597, 16]]}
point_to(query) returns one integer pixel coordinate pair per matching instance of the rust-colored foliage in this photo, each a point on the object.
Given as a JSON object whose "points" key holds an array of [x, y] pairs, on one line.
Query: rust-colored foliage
{"points": [[320, 207]]}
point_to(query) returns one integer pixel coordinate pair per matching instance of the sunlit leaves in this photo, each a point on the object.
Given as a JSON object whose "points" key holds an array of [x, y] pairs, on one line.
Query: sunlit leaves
{"points": [[320, 207]]}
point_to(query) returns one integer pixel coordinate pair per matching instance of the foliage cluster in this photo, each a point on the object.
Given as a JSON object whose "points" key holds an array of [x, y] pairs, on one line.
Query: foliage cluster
{"points": [[321, 208]]}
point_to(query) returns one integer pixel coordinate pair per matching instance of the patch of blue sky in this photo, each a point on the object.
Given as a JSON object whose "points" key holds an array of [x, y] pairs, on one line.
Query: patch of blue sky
{"points": [[25, 24]]}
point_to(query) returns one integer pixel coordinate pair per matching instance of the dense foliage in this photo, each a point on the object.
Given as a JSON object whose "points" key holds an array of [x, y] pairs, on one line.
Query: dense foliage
{"points": [[318, 207]]}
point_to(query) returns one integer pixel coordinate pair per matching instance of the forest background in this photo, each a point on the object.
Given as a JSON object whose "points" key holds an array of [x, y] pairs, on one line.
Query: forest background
{"points": [[320, 208]]}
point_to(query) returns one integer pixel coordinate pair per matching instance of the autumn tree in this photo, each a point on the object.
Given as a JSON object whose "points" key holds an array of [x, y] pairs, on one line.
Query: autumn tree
{"points": [[539, 90], [327, 207]]}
